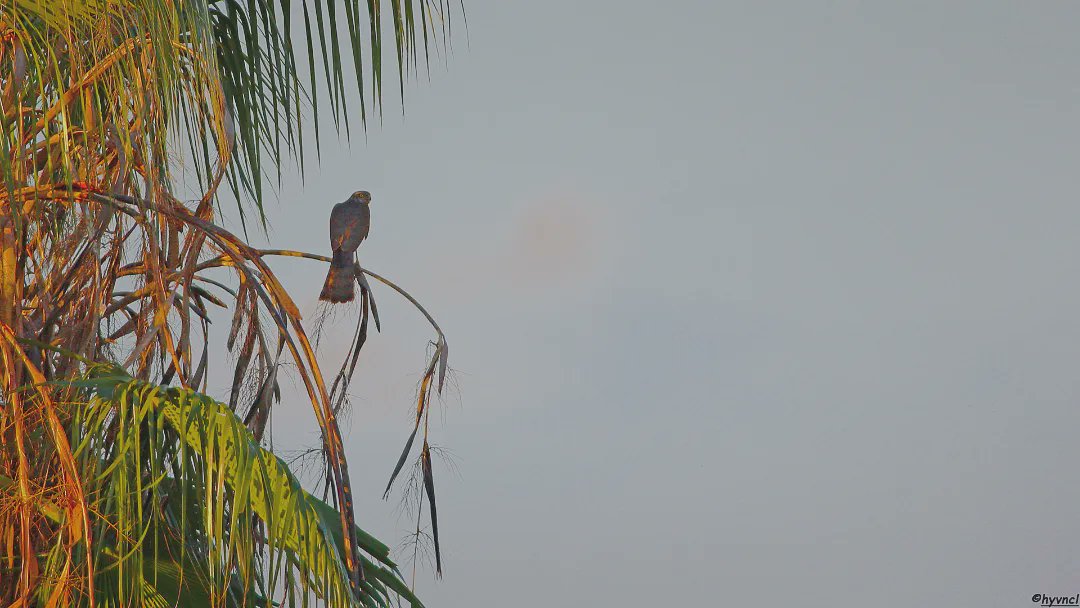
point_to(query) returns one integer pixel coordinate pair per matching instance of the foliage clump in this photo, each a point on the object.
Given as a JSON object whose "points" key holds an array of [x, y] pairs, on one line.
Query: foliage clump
{"points": [[121, 483]]}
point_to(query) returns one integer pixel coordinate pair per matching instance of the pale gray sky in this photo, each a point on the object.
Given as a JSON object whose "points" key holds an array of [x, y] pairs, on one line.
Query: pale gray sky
{"points": [[749, 302]]}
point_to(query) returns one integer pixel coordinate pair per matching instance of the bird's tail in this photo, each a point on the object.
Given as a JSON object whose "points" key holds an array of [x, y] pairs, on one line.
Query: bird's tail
{"points": [[338, 286]]}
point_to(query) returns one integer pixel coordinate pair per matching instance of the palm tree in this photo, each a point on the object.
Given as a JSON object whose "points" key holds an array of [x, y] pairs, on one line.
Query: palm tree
{"points": [[121, 482]]}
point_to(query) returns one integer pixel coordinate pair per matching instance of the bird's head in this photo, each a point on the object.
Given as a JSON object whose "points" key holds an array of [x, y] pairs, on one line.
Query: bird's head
{"points": [[361, 195]]}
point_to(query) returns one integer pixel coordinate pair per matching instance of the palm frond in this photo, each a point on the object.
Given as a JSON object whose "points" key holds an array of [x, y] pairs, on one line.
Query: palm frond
{"points": [[95, 85], [182, 470]]}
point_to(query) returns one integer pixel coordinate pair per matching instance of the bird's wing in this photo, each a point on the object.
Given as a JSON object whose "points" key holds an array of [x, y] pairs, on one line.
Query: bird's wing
{"points": [[338, 224], [349, 224]]}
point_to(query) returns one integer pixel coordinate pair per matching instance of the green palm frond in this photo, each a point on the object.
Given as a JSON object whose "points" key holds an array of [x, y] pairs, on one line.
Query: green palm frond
{"points": [[121, 78], [182, 481]]}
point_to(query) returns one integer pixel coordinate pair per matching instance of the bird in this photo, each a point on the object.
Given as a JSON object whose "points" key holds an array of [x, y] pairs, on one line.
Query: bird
{"points": [[349, 224]]}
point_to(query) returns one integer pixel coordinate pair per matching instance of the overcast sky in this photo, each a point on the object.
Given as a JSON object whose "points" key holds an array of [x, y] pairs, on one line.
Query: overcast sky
{"points": [[748, 302]]}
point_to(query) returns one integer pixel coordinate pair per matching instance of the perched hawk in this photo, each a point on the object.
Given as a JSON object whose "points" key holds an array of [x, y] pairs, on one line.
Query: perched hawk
{"points": [[349, 223]]}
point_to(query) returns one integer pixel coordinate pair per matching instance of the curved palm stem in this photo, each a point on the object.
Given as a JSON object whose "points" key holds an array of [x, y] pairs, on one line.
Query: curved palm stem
{"points": [[322, 258]]}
